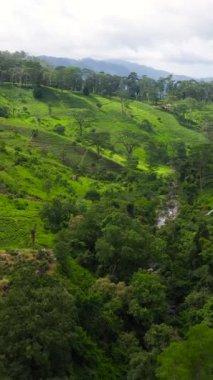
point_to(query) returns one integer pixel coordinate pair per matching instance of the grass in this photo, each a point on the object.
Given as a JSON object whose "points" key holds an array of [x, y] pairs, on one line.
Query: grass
{"points": [[166, 127], [16, 223]]}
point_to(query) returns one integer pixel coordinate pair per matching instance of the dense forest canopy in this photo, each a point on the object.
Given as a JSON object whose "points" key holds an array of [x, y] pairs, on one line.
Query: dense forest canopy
{"points": [[105, 225]]}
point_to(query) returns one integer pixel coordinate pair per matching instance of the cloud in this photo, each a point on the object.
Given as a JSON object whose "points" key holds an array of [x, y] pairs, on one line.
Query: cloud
{"points": [[175, 35]]}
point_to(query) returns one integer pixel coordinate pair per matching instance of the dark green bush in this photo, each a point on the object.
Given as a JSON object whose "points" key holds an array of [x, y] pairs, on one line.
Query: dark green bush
{"points": [[60, 129], [93, 195], [37, 92], [4, 111]]}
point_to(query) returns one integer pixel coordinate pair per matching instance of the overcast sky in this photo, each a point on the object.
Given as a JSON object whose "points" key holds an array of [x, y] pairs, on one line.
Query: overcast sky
{"points": [[174, 35]]}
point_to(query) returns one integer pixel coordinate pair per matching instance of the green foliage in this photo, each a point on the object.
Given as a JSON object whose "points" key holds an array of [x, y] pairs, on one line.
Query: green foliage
{"points": [[93, 195], [120, 288], [130, 141], [60, 129], [141, 367], [86, 91], [37, 92], [189, 359], [159, 336], [3, 148], [146, 126], [35, 133], [121, 245], [39, 340], [99, 140], [44, 340], [148, 303], [57, 213], [4, 111]]}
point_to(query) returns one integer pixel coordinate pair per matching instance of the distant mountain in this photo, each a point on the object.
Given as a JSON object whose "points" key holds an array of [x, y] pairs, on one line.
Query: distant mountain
{"points": [[112, 66], [140, 69], [206, 79]]}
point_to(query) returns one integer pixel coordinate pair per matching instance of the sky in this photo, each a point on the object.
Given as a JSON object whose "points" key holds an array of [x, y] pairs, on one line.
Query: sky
{"points": [[173, 35]]}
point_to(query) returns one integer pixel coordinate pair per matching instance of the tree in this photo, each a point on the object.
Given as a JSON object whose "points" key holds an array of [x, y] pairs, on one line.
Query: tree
{"points": [[189, 89], [33, 72], [73, 78], [83, 119], [201, 158], [196, 307], [161, 86], [37, 92], [158, 337], [86, 91], [38, 330], [57, 212], [101, 83], [69, 78], [148, 303], [39, 334], [50, 109], [80, 236], [130, 141], [133, 85], [122, 93], [123, 245], [148, 89], [141, 366], [88, 77], [143, 363], [190, 359], [99, 140]]}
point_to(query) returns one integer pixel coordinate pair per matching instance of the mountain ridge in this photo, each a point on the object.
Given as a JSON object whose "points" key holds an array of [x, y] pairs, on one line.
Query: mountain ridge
{"points": [[111, 66]]}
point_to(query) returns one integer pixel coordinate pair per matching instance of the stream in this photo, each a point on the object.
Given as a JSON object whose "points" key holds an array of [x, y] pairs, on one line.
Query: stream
{"points": [[169, 213]]}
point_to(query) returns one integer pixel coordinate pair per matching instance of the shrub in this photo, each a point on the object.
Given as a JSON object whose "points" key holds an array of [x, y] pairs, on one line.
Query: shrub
{"points": [[37, 92], [3, 147], [34, 133], [4, 111], [146, 126], [93, 195], [20, 204], [60, 129]]}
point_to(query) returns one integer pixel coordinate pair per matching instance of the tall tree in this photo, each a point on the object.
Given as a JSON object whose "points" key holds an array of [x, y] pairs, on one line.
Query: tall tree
{"points": [[190, 359], [99, 140]]}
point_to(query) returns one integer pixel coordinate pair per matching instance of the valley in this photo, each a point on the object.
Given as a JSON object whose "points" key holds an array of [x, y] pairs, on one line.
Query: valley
{"points": [[105, 225]]}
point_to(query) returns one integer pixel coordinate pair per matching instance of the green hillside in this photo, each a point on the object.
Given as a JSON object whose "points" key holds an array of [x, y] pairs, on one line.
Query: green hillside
{"points": [[105, 234], [37, 168]]}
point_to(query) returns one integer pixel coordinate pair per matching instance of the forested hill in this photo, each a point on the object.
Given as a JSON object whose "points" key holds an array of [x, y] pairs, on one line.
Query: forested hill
{"points": [[106, 210]]}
